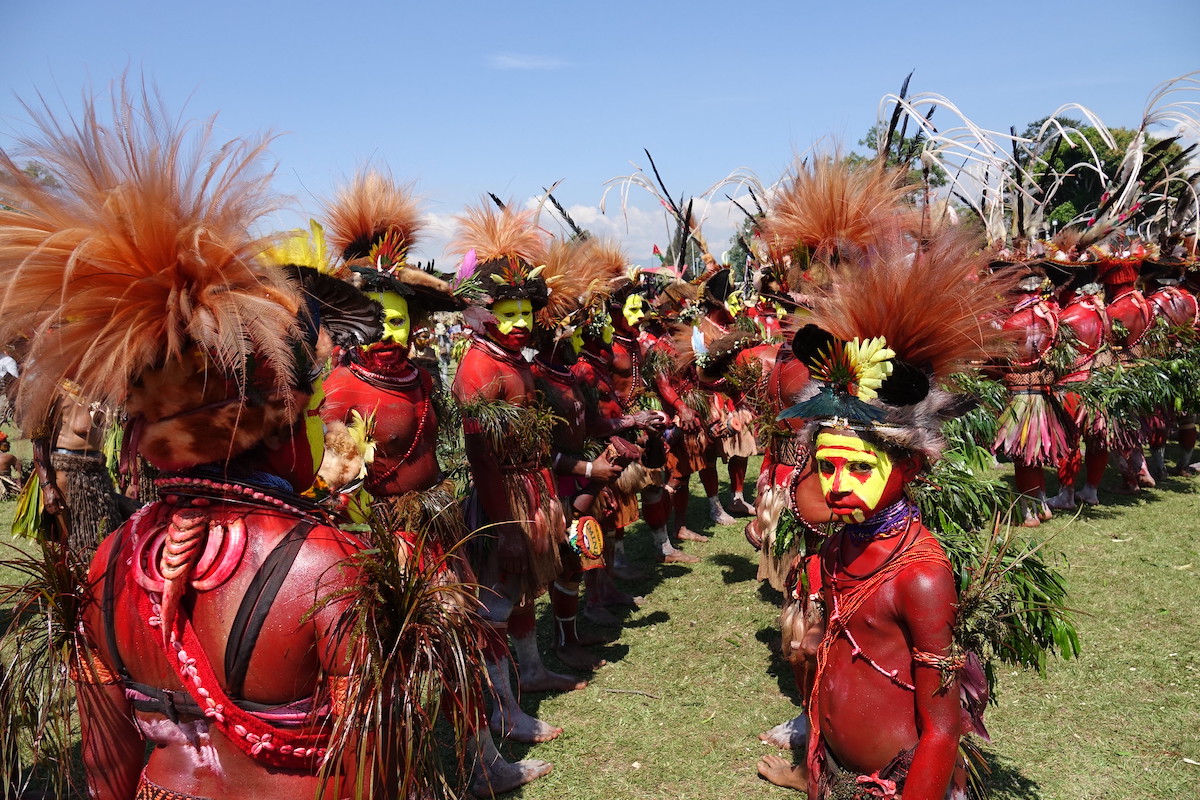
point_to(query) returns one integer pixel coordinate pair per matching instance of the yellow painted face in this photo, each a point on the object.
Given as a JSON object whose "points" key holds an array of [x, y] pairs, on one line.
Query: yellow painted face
{"points": [[575, 340], [606, 333], [396, 323], [857, 478], [513, 314], [634, 310]]}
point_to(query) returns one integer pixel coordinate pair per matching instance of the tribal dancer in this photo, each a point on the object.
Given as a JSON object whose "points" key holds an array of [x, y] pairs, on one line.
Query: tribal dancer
{"points": [[77, 490], [1130, 317], [1083, 327], [374, 223], [1033, 429], [224, 623], [514, 500], [641, 368], [822, 213], [589, 455], [1176, 312], [886, 715], [724, 307]]}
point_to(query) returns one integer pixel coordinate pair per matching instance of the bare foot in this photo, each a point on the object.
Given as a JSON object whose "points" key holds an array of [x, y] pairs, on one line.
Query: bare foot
{"points": [[516, 724], [689, 535], [575, 656], [790, 735], [782, 772], [1062, 502], [740, 508], [678, 557], [502, 776], [622, 599], [591, 639], [547, 681], [720, 516]]}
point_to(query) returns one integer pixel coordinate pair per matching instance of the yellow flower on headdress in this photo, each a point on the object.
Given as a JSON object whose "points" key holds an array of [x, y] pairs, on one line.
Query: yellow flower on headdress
{"points": [[871, 362]]}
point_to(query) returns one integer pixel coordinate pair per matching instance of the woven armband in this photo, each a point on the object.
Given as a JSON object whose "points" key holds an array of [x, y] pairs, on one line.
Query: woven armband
{"points": [[92, 671]]}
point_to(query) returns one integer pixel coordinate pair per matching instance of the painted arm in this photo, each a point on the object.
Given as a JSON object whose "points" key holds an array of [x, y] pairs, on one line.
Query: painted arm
{"points": [[470, 384], [328, 554], [673, 403], [112, 746], [928, 600]]}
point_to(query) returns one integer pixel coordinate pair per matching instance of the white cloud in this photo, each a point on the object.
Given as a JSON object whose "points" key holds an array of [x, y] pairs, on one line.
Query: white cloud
{"points": [[525, 62]]}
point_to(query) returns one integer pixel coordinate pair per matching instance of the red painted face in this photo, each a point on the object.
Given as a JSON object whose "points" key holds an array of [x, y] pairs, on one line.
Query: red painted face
{"points": [[515, 341]]}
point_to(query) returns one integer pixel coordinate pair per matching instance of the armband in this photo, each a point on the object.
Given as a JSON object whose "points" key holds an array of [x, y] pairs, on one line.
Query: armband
{"points": [[339, 694], [92, 671]]}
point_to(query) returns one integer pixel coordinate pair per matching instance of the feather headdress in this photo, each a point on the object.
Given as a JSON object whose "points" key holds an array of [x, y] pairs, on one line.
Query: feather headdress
{"points": [[826, 210], [577, 277], [373, 223], [370, 209], [507, 250], [888, 330], [137, 278]]}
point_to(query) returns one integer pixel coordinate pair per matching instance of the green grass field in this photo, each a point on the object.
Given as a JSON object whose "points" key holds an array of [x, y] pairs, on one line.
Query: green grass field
{"points": [[694, 675]]}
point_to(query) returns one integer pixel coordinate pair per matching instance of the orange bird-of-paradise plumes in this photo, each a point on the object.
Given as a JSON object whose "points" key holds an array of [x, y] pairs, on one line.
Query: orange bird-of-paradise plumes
{"points": [[933, 302], [138, 257], [577, 273], [826, 209], [370, 207], [499, 234]]}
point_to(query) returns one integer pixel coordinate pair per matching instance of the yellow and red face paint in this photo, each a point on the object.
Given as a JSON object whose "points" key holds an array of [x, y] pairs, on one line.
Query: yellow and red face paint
{"points": [[857, 478]]}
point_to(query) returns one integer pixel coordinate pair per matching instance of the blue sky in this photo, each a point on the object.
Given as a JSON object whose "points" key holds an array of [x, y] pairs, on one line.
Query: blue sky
{"points": [[468, 97]]}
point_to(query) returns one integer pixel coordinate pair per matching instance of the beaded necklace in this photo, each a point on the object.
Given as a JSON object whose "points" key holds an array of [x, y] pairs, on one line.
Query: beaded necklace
{"points": [[635, 358], [204, 487], [380, 477], [885, 524], [405, 380], [499, 353]]}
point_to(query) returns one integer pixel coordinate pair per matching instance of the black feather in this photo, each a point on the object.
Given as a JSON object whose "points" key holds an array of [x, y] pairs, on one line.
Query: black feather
{"points": [[908, 384], [809, 341]]}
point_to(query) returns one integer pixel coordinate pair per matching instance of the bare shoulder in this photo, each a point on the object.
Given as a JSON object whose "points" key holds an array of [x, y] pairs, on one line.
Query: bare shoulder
{"points": [[328, 545], [928, 581]]}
